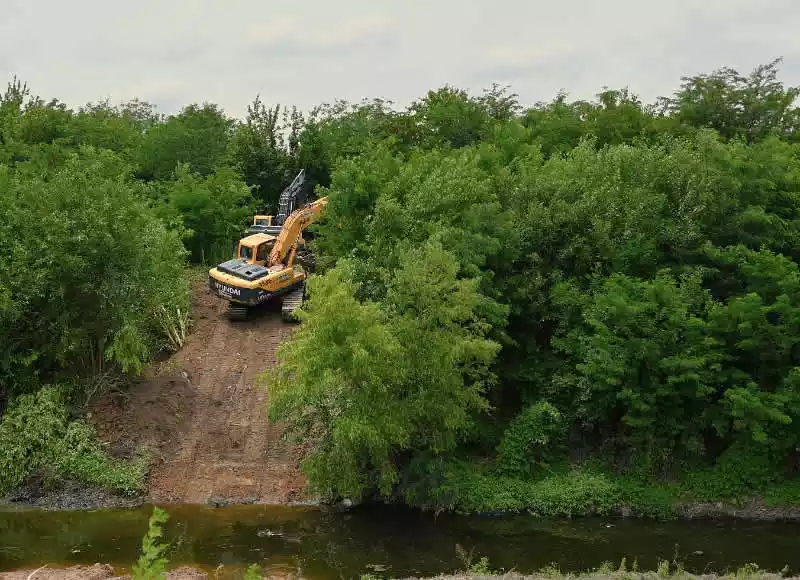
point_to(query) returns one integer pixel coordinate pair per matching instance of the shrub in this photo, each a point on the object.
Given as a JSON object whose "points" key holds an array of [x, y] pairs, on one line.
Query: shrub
{"points": [[152, 563], [530, 438], [36, 434]]}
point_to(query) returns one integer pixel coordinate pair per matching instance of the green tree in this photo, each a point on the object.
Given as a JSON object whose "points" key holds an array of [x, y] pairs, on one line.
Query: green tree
{"points": [[750, 107], [377, 386], [258, 150], [197, 136], [87, 270], [212, 211], [119, 129], [644, 353], [337, 131]]}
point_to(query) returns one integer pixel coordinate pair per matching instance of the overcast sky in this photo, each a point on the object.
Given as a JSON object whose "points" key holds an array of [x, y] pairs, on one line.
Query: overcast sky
{"points": [[174, 52]]}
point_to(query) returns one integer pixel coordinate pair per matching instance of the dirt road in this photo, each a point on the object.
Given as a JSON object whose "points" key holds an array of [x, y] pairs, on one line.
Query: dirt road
{"points": [[204, 416]]}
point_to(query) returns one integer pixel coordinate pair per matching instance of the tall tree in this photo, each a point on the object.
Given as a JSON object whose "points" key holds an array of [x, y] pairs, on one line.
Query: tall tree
{"points": [[198, 136], [258, 150], [749, 107]]}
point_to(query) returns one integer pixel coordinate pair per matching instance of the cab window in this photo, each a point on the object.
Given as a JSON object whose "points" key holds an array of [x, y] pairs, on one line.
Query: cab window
{"points": [[263, 252], [245, 253]]}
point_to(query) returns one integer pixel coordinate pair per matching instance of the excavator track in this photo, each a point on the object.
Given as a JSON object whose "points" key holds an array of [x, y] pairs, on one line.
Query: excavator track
{"points": [[237, 312], [291, 302]]}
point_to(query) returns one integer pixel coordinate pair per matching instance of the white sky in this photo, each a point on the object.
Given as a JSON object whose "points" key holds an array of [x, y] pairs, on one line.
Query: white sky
{"points": [[175, 52]]}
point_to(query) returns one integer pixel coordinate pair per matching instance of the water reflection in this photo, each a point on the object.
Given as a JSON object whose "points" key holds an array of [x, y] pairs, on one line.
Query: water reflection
{"points": [[386, 541]]}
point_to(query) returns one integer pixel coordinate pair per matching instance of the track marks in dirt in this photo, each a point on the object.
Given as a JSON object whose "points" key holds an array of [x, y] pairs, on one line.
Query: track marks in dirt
{"points": [[222, 449]]}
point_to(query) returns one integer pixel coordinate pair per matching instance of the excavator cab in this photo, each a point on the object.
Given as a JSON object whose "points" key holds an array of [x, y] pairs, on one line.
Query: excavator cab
{"points": [[264, 224], [255, 249]]}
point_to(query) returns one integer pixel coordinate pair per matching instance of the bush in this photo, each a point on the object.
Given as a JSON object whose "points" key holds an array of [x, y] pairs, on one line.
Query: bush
{"points": [[530, 438], [86, 269], [743, 471], [212, 212], [37, 435]]}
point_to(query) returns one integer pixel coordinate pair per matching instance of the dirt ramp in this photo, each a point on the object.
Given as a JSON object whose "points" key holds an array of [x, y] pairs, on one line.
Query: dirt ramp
{"points": [[204, 413]]}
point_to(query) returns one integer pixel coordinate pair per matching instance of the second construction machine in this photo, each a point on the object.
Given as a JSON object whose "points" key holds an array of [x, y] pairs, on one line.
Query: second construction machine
{"points": [[264, 266], [291, 198]]}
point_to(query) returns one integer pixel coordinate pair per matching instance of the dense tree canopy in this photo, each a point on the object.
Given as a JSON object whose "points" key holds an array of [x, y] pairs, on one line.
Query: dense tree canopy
{"points": [[500, 287], [603, 275]]}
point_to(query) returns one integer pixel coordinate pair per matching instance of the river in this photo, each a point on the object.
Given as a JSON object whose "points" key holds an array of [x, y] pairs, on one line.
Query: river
{"points": [[386, 541]]}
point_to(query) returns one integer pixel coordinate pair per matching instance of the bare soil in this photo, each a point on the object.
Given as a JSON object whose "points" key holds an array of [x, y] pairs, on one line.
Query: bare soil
{"points": [[95, 572], [203, 414]]}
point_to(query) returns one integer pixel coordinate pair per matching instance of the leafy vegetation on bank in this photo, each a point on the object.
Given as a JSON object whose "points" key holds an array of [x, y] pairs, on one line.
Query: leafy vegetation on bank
{"points": [[509, 296], [623, 571], [102, 209], [666, 570], [37, 435]]}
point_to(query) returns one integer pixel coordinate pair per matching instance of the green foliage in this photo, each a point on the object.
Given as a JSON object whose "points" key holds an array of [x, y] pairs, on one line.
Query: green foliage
{"points": [[86, 267], [37, 435], [741, 472], [152, 563], [376, 385], [337, 131], [116, 128], [783, 493], [529, 438], [578, 492], [645, 354], [197, 136], [557, 492], [92, 282], [497, 286], [666, 569], [632, 265], [259, 152], [749, 107], [479, 567], [211, 212], [253, 572]]}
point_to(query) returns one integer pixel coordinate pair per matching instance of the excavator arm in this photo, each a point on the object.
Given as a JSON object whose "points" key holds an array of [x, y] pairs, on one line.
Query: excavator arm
{"points": [[294, 225]]}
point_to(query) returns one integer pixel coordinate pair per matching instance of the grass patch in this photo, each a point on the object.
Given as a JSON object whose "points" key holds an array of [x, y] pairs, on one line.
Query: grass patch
{"points": [[784, 493], [571, 492], [591, 490]]}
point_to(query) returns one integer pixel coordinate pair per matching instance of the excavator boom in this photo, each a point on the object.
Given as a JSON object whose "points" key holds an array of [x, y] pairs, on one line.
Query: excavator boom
{"points": [[294, 225]]}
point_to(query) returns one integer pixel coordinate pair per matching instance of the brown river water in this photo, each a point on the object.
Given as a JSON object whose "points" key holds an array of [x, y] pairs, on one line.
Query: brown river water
{"points": [[386, 541]]}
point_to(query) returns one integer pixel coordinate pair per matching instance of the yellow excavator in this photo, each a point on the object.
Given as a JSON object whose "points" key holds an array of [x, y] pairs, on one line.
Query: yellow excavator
{"points": [[264, 267]]}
